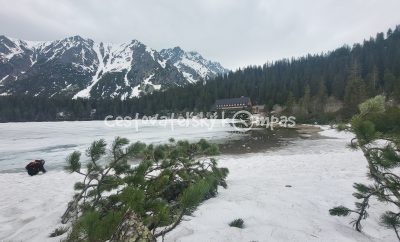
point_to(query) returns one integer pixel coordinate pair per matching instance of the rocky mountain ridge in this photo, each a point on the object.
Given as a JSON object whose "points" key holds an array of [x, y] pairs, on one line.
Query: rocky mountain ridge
{"points": [[82, 68]]}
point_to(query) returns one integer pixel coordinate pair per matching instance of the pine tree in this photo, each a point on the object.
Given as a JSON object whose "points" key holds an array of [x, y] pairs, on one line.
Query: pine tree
{"points": [[377, 122], [290, 102], [355, 91], [306, 100], [372, 82], [115, 200], [390, 82], [321, 97]]}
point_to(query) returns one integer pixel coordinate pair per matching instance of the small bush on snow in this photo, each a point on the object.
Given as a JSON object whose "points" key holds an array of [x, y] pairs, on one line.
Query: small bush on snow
{"points": [[238, 223]]}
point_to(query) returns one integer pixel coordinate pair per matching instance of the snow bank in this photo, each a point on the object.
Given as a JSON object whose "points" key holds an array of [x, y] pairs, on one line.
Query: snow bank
{"points": [[30, 207], [321, 174]]}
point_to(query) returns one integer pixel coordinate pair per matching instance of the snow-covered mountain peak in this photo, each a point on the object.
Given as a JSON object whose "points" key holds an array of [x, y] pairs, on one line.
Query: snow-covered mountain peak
{"points": [[192, 65], [80, 67], [11, 47]]}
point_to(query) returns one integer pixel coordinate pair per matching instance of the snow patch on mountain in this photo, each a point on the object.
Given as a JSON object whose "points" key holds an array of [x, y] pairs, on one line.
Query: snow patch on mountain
{"points": [[147, 81], [120, 57], [3, 79], [135, 91], [85, 93]]}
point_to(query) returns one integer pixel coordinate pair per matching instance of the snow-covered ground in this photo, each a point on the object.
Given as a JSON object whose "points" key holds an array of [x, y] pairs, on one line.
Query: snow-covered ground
{"points": [[321, 173]]}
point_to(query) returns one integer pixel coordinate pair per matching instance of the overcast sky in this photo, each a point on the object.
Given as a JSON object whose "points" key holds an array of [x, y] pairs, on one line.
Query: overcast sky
{"points": [[234, 32]]}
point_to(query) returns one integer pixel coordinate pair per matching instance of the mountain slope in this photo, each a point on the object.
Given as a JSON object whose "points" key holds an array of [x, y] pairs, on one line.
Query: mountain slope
{"points": [[77, 67], [192, 65]]}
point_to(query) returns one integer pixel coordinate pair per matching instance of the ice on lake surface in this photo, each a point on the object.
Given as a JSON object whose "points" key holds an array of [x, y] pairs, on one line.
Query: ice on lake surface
{"points": [[53, 141]]}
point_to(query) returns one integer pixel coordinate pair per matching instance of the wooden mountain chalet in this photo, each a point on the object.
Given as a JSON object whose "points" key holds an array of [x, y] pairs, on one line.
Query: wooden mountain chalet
{"points": [[233, 104]]}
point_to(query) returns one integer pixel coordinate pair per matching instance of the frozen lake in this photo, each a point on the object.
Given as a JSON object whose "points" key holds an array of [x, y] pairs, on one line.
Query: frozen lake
{"points": [[53, 141]]}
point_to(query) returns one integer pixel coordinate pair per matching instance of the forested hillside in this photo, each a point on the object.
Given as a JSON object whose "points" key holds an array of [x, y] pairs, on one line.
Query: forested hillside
{"points": [[347, 75]]}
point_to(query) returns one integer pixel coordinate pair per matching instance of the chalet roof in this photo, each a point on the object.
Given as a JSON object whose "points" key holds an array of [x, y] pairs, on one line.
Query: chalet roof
{"points": [[233, 101]]}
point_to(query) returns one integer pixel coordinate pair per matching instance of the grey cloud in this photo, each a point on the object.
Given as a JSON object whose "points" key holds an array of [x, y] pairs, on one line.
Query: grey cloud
{"points": [[236, 33]]}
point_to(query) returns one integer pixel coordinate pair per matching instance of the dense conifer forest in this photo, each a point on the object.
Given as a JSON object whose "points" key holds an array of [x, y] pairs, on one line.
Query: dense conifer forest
{"points": [[306, 86]]}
